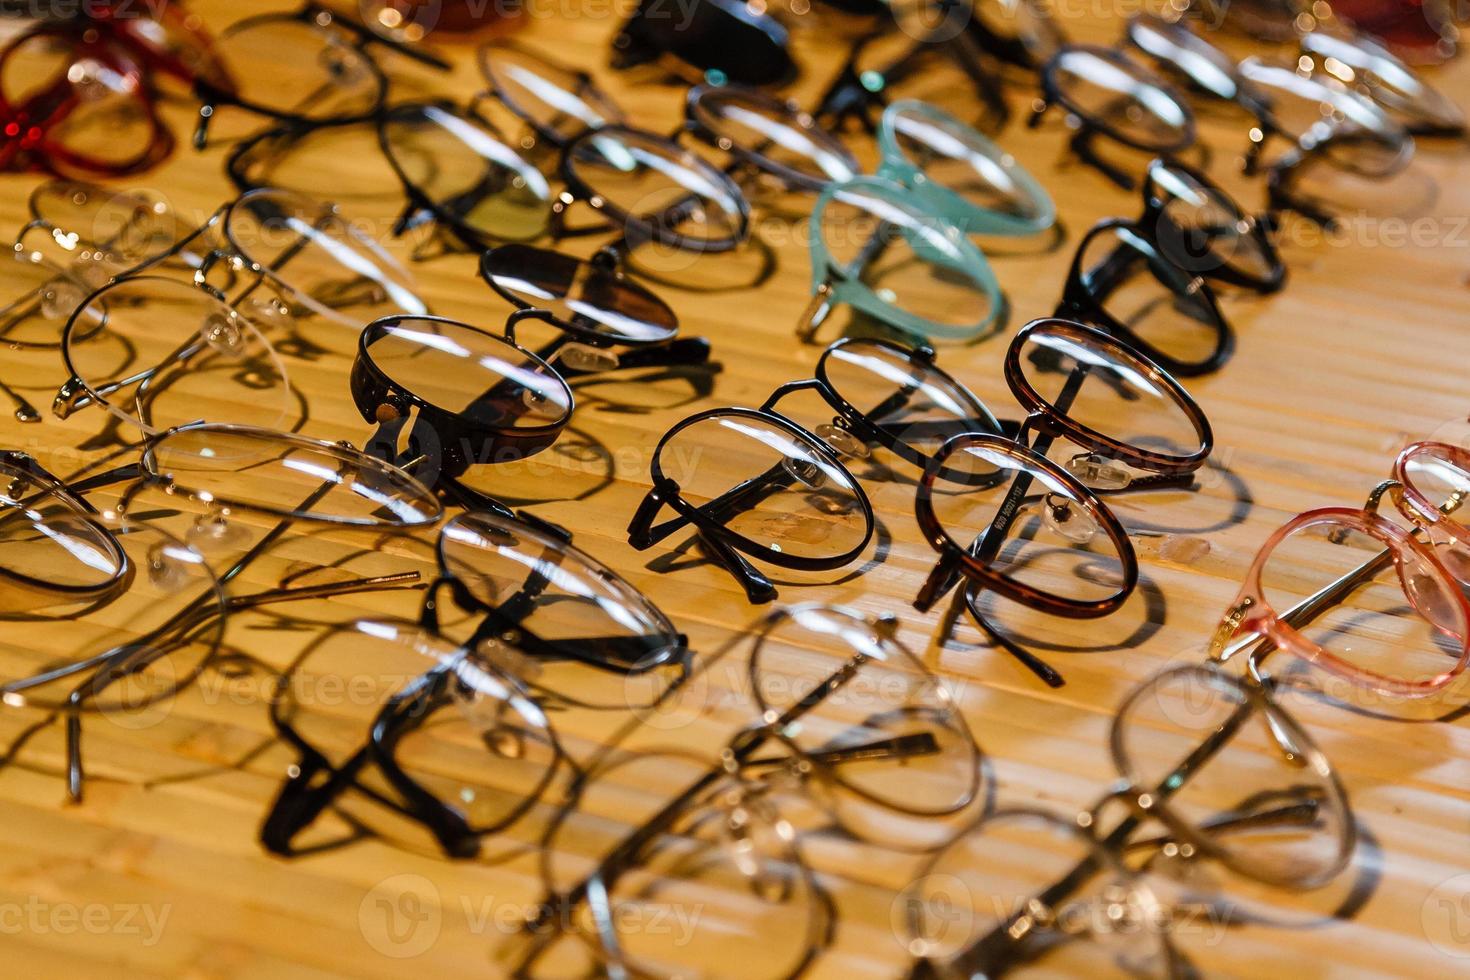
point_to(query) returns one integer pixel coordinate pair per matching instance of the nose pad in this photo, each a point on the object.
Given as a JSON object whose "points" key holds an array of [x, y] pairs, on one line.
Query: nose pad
{"points": [[1068, 518], [1097, 473], [740, 831], [214, 532], [1431, 595], [222, 334], [345, 64], [582, 357], [505, 743], [805, 471], [267, 311], [60, 297], [165, 571], [843, 441]]}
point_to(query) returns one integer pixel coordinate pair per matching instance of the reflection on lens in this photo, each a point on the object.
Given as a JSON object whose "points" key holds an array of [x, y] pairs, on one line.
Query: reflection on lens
{"points": [[467, 175], [107, 230], [1204, 230], [774, 135], [315, 74], [1131, 103], [768, 483], [161, 353], [51, 550], [582, 297], [288, 475], [558, 102], [589, 635], [1238, 773], [1002, 875]]}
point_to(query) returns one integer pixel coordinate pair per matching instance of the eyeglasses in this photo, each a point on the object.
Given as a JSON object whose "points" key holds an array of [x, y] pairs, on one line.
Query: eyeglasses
{"points": [[1200, 228], [556, 101], [1012, 521], [157, 351], [882, 249], [163, 608], [717, 40], [848, 715], [1125, 282], [1353, 571], [1365, 65], [322, 70], [77, 104], [769, 135], [1211, 768], [1107, 94], [753, 482]]}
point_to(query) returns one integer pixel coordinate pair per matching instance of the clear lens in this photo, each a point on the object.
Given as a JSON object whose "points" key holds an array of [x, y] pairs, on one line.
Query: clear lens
{"points": [[778, 137], [1128, 100], [580, 295], [1405, 622], [769, 484], [1236, 772], [106, 615], [881, 726], [1354, 133], [1178, 48], [1051, 541], [994, 878], [1203, 230], [40, 296], [321, 262], [1357, 59], [1162, 304], [306, 162], [104, 230], [558, 102], [468, 373], [909, 258], [1104, 387], [315, 72], [1437, 486], [161, 353], [466, 173], [643, 178], [589, 635], [905, 397], [290, 476]]}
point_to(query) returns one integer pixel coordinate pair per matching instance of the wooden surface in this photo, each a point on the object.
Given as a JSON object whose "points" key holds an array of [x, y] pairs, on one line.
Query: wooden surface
{"points": [[1365, 349]]}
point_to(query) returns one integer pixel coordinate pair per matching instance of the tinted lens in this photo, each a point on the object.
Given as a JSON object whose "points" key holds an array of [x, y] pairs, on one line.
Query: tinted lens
{"points": [[95, 585], [1203, 230], [320, 260], [906, 397], [581, 296], [877, 722], [86, 102], [1163, 305], [466, 173], [777, 137], [721, 38], [291, 476], [161, 352], [1103, 386], [315, 72], [1051, 541], [959, 159], [1436, 481], [999, 875], [1131, 102], [908, 258], [642, 178], [770, 484], [558, 103], [1238, 773], [468, 373], [588, 634], [1405, 622]]}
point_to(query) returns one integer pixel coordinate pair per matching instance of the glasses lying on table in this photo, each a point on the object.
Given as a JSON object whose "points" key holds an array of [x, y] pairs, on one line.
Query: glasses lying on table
{"points": [[720, 40], [535, 622], [754, 482], [1009, 520], [883, 250], [556, 101], [159, 351], [1212, 769], [1346, 574], [765, 134], [136, 611], [851, 727], [311, 66], [1108, 95]]}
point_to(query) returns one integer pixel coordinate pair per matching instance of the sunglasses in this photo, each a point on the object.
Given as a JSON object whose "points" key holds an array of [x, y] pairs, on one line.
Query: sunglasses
{"points": [[714, 40]]}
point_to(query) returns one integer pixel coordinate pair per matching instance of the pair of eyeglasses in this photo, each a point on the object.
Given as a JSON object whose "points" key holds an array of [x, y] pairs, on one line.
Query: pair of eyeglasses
{"points": [[557, 102], [322, 70], [1212, 769], [154, 610], [713, 40], [1008, 519], [753, 482], [161, 350], [517, 621], [848, 716], [1329, 587]]}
